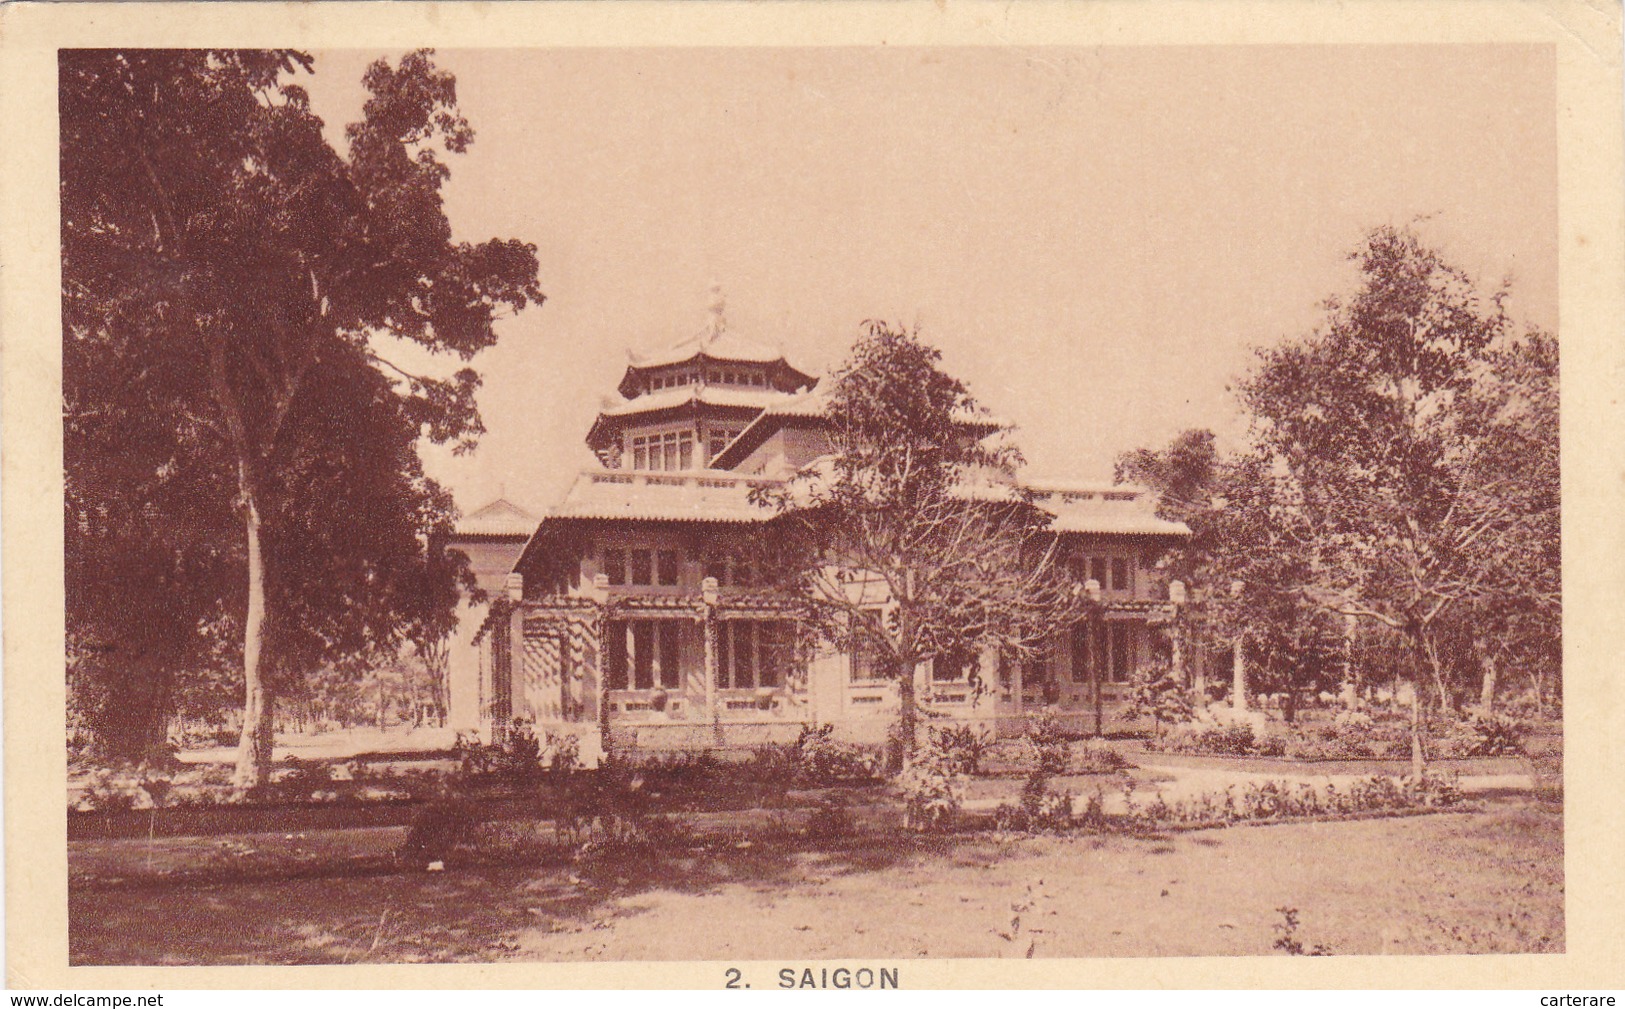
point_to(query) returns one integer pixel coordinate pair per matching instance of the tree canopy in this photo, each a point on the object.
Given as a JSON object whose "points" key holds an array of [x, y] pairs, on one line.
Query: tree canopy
{"points": [[240, 454], [1401, 472], [911, 539]]}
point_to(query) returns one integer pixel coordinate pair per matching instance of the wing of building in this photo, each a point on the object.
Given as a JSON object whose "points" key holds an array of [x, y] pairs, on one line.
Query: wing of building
{"points": [[630, 613]]}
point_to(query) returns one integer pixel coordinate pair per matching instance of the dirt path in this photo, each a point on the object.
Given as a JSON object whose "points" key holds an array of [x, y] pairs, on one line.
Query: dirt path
{"points": [[1451, 883]]}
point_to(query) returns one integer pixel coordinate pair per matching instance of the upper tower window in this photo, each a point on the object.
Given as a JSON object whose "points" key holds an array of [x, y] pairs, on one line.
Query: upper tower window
{"points": [[672, 450]]}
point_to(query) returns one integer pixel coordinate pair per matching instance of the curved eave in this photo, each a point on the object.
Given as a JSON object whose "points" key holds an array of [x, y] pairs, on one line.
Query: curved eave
{"points": [[607, 426], [784, 376]]}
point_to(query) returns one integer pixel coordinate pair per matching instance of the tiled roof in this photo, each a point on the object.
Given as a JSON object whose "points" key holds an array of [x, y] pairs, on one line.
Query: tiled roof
{"points": [[497, 518], [811, 405], [665, 399], [699, 496], [1105, 509], [723, 346], [717, 496]]}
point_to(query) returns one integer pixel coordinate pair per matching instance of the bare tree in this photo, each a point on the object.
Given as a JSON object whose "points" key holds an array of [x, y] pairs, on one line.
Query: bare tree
{"points": [[911, 538]]}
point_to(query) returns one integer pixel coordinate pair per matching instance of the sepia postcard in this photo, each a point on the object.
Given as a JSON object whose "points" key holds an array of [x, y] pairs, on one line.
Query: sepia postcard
{"points": [[813, 496]]}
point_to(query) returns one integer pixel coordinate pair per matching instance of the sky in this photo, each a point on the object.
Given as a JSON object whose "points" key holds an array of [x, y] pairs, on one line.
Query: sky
{"points": [[1096, 239]]}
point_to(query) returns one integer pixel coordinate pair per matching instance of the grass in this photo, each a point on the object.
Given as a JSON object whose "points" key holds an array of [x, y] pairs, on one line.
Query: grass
{"points": [[1448, 883]]}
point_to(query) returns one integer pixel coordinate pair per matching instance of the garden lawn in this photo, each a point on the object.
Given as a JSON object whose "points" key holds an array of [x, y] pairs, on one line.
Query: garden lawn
{"points": [[1464, 882]]}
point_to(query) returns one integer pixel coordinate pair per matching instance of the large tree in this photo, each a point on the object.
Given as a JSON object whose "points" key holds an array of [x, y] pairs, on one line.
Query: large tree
{"points": [[1401, 466], [229, 280], [911, 539], [1243, 564]]}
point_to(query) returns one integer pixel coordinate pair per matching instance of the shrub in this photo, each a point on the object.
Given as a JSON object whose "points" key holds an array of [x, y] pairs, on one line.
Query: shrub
{"points": [[1232, 739], [1156, 692], [1095, 756], [961, 746], [933, 791], [932, 796], [563, 753], [822, 759], [1270, 800], [1050, 747], [473, 756], [1491, 735], [1286, 936], [774, 762], [1039, 808]]}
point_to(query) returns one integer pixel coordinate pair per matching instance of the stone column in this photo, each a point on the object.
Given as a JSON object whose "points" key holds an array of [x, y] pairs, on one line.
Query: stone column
{"points": [[516, 645]]}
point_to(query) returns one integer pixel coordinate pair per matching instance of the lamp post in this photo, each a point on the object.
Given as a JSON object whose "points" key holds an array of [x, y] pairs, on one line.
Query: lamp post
{"points": [[1091, 589]]}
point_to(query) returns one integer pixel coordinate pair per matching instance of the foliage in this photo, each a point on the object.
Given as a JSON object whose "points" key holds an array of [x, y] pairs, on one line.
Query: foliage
{"points": [[932, 790], [1158, 691], [1491, 735], [519, 754], [821, 759], [1274, 800], [243, 489], [1222, 739], [1396, 513], [1051, 748], [911, 541], [962, 746], [1377, 433], [1095, 756], [1039, 808], [830, 819]]}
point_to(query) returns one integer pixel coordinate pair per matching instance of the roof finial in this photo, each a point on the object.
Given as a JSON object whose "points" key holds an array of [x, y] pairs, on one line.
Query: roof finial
{"points": [[718, 304]]}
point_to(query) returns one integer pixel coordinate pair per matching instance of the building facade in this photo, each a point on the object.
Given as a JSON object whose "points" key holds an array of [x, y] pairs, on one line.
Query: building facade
{"points": [[633, 615]]}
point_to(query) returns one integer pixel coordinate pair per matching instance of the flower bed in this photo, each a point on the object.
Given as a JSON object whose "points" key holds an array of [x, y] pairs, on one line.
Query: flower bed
{"points": [[1353, 735]]}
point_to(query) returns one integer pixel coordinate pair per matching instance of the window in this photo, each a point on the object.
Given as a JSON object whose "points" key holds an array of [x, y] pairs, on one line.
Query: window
{"points": [[1082, 652], [1121, 646], [615, 655], [730, 570], [1097, 570], [1104, 649], [672, 450], [717, 439], [1120, 574], [642, 563], [670, 633], [649, 650], [615, 566], [666, 567], [751, 653], [868, 658], [953, 667]]}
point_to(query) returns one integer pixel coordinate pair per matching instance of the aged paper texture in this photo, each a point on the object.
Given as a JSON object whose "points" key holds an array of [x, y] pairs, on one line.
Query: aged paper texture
{"points": [[1097, 211]]}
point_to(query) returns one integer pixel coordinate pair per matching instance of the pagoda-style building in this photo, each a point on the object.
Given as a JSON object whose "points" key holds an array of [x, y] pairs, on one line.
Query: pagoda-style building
{"points": [[631, 613]]}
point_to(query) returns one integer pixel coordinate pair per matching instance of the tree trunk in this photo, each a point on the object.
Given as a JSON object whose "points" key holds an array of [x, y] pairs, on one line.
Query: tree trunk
{"points": [[254, 749], [1486, 662], [908, 724], [1430, 651], [1238, 672], [1418, 760]]}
